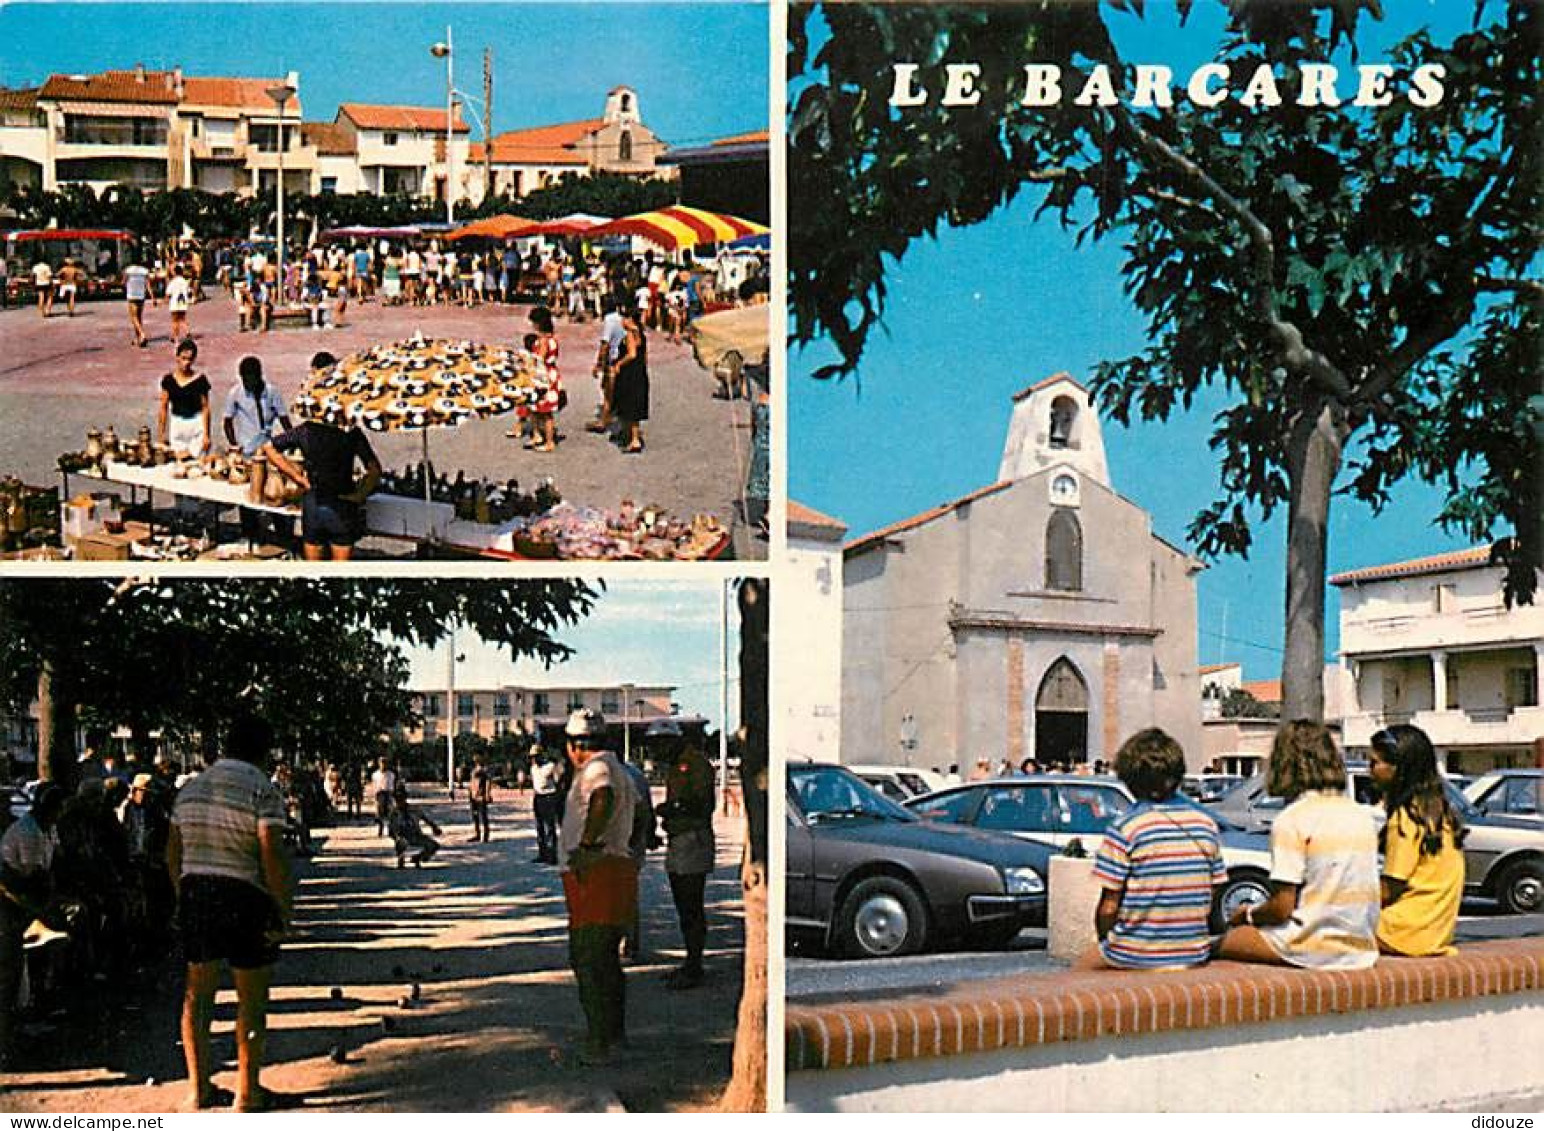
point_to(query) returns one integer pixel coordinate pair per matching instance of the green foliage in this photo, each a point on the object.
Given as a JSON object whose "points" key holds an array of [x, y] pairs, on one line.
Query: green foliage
{"points": [[1240, 704], [1328, 267], [605, 194], [322, 659]]}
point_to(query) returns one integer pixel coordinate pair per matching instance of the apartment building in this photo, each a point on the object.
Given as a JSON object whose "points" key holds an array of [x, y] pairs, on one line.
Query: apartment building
{"points": [[23, 139], [401, 149], [1431, 642], [512, 709]]}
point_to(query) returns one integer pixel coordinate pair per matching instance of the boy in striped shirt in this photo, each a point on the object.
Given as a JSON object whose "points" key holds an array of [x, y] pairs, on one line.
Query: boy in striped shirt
{"points": [[1158, 865]]}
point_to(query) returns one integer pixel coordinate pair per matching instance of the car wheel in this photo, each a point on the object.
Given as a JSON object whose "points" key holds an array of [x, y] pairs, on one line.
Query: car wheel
{"points": [[1522, 888], [1241, 890], [882, 917]]}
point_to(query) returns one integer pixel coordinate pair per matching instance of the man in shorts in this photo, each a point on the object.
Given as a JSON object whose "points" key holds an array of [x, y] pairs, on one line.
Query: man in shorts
{"points": [[332, 515], [69, 282], [227, 857], [136, 288], [43, 283]]}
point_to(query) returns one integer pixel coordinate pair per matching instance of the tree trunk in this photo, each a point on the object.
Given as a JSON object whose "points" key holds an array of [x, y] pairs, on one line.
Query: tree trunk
{"points": [[1314, 453], [748, 1085], [56, 730]]}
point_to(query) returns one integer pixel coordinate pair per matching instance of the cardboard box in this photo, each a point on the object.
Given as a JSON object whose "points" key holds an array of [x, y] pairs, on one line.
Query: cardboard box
{"points": [[105, 547]]}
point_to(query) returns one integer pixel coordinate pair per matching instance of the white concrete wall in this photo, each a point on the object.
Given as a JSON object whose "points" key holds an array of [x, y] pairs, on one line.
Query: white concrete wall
{"points": [[808, 637], [1447, 1054]]}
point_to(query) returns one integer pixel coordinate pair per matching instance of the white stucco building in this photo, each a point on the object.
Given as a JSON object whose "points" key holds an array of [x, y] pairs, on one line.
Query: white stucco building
{"points": [[1431, 642], [1038, 617], [808, 636]]}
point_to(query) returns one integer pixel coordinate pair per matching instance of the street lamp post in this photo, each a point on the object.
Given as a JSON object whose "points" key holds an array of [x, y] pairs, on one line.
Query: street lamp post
{"points": [[447, 52], [281, 93]]}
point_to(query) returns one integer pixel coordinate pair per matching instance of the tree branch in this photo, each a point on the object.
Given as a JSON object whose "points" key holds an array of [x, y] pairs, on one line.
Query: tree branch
{"points": [[1530, 287], [1295, 352]]}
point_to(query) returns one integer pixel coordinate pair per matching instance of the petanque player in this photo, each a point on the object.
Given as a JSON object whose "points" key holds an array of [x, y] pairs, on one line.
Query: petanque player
{"points": [[600, 882], [689, 852], [546, 803], [479, 792], [227, 857], [383, 783], [26, 885]]}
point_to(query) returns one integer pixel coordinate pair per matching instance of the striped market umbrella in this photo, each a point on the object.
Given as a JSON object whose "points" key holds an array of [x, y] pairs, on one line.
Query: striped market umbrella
{"points": [[680, 227]]}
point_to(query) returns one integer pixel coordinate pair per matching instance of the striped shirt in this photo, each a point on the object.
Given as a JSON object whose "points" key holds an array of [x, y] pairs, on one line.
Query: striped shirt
{"points": [[1327, 844], [218, 815], [1164, 857]]}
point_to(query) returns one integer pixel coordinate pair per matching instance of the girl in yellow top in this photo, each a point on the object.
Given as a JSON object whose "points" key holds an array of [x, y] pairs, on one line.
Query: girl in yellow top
{"points": [[1423, 867]]}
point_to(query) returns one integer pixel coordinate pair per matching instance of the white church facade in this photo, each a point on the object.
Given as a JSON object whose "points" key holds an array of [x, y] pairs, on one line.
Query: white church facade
{"points": [[1039, 617]]}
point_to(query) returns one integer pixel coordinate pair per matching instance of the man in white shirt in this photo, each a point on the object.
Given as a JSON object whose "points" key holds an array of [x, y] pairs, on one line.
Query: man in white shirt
{"points": [[546, 782], [43, 283], [600, 881], [26, 856], [383, 783]]}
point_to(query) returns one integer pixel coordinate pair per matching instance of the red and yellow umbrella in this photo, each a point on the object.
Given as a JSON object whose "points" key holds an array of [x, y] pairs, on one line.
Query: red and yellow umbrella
{"points": [[680, 227]]}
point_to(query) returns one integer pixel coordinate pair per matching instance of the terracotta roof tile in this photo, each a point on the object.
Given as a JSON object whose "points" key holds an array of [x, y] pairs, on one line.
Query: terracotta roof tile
{"points": [[927, 516], [1211, 669], [371, 117], [327, 137], [236, 93], [1053, 379], [744, 139], [1471, 558], [19, 99], [543, 145], [1264, 690], [154, 87], [811, 523]]}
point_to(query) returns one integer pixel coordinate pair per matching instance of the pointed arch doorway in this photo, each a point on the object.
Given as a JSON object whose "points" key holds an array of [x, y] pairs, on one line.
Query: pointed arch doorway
{"points": [[1061, 715]]}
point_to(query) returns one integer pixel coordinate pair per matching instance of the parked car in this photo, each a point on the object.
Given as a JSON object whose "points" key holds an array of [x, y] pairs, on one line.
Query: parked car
{"points": [[875, 880], [899, 783], [1209, 788], [1055, 809], [1503, 854], [1509, 793]]}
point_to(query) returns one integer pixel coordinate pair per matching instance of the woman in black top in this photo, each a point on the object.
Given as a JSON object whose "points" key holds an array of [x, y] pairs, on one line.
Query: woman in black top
{"points": [[630, 394], [183, 416]]}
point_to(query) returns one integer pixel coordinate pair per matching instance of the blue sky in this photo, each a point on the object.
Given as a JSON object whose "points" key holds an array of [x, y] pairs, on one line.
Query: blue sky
{"points": [[979, 313], [700, 70], [656, 632]]}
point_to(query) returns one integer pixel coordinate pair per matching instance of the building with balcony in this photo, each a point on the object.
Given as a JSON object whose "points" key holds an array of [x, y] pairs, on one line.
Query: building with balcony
{"points": [[529, 159], [110, 128], [23, 140], [226, 135], [337, 160], [400, 150], [1431, 642]]}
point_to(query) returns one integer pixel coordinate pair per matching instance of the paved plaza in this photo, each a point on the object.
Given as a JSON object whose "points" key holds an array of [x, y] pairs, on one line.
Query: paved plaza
{"points": [[482, 931], [61, 376]]}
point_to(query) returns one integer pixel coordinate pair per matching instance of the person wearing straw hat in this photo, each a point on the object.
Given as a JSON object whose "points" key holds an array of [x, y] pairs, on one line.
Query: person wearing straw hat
{"points": [[600, 881]]}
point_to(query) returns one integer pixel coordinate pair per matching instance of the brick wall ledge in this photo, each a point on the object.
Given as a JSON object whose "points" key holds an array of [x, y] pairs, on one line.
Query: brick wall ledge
{"points": [[1005, 1013]]}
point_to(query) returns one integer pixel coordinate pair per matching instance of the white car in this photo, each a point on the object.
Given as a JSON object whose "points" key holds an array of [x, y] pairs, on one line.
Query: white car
{"points": [[900, 783]]}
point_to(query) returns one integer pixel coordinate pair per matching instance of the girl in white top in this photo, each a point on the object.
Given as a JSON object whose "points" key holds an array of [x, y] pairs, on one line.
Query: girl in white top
{"points": [[1323, 910], [178, 298]]}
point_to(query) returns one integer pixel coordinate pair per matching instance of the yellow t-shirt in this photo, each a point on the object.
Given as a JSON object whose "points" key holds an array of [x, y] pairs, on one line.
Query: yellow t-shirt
{"points": [[1422, 920]]}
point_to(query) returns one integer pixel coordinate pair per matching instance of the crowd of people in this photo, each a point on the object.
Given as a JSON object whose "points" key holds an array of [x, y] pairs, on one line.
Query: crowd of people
{"points": [[136, 857], [1346, 888]]}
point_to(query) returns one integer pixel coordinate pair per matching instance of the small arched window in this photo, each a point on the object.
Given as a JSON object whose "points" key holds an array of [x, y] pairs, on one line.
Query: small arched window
{"points": [[1064, 415], [1063, 551], [625, 146], [627, 103]]}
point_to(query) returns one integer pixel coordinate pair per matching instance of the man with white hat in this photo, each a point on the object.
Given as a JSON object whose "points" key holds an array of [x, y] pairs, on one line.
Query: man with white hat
{"points": [[600, 880]]}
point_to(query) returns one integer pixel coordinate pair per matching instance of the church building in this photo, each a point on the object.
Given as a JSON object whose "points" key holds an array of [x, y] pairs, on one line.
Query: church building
{"points": [[1037, 617]]}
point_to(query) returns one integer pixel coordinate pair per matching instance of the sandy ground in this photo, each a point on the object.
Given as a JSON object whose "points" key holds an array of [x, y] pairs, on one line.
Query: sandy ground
{"points": [[61, 376], [482, 930]]}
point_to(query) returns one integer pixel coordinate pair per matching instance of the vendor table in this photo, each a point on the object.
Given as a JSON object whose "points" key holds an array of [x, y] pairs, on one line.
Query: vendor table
{"points": [[160, 478]]}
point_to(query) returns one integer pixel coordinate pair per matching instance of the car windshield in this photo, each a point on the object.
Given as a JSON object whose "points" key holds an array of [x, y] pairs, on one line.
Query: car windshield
{"points": [[830, 792]]}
